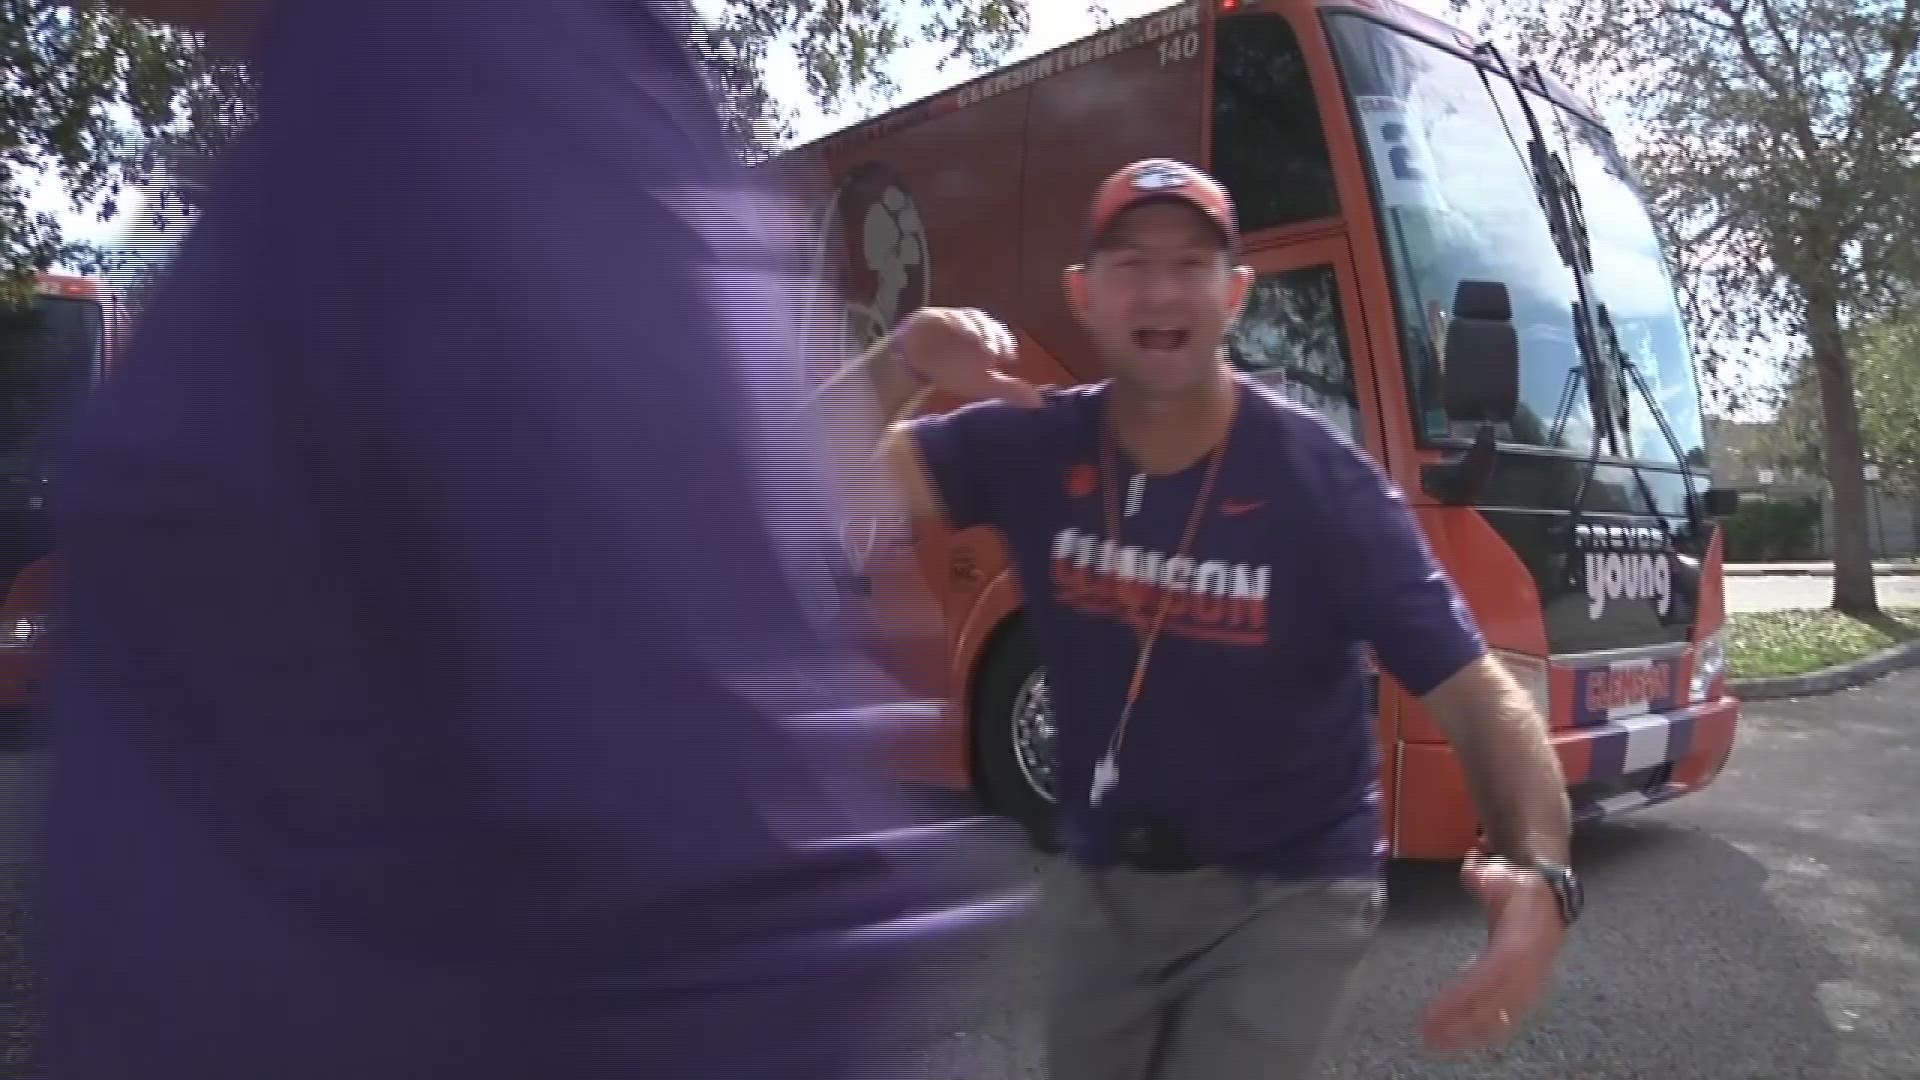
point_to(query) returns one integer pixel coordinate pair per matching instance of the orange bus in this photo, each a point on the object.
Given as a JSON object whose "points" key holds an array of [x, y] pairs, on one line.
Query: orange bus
{"points": [[51, 352], [1435, 227]]}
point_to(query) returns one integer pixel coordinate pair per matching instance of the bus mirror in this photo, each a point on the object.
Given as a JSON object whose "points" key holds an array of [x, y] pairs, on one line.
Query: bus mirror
{"points": [[1720, 502], [1482, 355]]}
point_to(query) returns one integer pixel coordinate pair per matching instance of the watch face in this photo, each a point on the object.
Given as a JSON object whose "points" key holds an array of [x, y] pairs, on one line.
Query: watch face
{"points": [[1567, 887]]}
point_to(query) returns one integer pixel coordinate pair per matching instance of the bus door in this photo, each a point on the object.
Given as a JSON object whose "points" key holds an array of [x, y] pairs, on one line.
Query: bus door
{"points": [[1303, 333]]}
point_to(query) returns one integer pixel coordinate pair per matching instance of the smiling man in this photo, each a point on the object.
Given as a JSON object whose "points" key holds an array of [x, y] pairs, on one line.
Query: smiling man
{"points": [[1201, 589]]}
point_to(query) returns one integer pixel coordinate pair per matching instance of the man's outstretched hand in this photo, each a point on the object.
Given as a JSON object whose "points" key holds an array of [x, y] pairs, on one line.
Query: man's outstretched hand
{"points": [[1505, 984]]}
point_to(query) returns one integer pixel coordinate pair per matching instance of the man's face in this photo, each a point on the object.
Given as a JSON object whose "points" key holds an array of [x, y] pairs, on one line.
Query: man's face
{"points": [[1158, 296]]}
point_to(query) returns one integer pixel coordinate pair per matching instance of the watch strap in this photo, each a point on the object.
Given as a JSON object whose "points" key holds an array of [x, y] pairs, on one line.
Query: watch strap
{"points": [[1566, 889]]}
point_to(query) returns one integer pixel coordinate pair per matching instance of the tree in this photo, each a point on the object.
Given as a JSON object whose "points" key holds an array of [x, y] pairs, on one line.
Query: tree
{"points": [[1797, 440], [98, 100], [1886, 356], [1888, 372], [111, 103], [1779, 141], [844, 48]]}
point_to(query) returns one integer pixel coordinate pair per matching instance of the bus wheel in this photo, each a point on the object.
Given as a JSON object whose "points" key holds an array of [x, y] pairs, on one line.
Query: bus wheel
{"points": [[1013, 736]]}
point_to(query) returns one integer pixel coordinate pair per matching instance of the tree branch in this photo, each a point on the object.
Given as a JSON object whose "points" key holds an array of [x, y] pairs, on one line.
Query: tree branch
{"points": [[1757, 66]]}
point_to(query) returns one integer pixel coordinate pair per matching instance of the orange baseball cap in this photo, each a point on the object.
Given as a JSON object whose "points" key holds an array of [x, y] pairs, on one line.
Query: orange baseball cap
{"points": [[1161, 180]]}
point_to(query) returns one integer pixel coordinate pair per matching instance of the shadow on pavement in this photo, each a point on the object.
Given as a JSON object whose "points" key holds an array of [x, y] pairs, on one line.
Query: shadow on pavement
{"points": [[1683, 965], [20, 734]]}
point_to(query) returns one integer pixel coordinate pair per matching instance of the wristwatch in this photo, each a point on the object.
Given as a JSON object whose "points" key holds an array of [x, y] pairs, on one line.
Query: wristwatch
{"points": [[1566, 889]]}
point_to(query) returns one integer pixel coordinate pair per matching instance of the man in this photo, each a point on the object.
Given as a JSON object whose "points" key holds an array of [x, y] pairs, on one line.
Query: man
{"points": [[443, 698], [1219, 802]]}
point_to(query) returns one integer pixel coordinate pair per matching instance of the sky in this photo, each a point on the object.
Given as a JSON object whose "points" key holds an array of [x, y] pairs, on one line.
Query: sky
{"points": [[1052, 23], [916, 70]]}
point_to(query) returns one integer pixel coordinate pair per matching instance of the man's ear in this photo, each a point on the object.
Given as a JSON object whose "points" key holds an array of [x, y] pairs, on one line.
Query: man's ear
{"points": [[1239, 291], [1074, 281]]}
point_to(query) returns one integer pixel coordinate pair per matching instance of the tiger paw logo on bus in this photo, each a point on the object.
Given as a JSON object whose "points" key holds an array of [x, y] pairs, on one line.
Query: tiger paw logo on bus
{"points": [[1625, 562], [873, 247]]}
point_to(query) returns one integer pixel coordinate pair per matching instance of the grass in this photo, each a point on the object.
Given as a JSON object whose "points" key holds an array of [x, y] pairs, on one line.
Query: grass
{"points": [[1770, 643]]}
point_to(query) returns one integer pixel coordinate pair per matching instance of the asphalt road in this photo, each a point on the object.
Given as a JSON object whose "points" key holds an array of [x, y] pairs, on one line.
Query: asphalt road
{"points": [[1780, 593], [1766, 928]]}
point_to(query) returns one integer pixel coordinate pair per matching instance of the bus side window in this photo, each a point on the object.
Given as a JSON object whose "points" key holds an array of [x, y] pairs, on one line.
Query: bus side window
{"points": [[1292, 339], [1267, 144]]}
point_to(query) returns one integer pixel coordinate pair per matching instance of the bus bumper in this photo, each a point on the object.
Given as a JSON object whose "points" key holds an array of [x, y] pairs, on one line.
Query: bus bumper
{"points": [[1611, 769], [1626, 769]]}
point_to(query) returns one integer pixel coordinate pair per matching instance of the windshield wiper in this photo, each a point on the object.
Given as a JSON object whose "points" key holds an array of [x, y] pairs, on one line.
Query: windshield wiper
{"points": [[1559, 198], [1608, 336], [1617, 356], [1553, 188], [1639, 380]]}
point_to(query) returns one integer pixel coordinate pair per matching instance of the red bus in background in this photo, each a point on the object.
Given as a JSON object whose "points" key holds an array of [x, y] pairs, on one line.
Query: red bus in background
{"points": [[1454, 266], [52, 351]]}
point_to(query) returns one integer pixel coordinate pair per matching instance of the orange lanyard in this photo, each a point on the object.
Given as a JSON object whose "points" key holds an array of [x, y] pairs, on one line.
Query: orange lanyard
{"points": [[1110, 505]]}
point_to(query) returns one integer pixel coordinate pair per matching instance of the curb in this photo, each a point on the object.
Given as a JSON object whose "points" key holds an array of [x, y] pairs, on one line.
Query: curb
{"points": [[1829, 680]]}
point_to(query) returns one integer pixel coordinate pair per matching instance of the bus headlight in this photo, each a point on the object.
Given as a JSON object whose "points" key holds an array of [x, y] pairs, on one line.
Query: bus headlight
{"points": [[1531, 673], [22, 632], [1709, 664]]}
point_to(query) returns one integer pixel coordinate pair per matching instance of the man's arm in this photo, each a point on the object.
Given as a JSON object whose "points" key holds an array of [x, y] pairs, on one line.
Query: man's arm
{"points": [[940, 465], [881, 422], [1400, 600], [1501, 740]]}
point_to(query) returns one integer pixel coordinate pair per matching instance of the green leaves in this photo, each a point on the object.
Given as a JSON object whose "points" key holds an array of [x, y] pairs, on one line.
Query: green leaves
{"points": [[106, 102], [1886, 376], [1887, 372], [845, 49], [97, 99], [1761, 129]]}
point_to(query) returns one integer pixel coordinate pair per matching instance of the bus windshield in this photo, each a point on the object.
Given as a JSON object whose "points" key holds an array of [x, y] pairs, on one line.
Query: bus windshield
{"points": [[50, 352], [1447, 141]]}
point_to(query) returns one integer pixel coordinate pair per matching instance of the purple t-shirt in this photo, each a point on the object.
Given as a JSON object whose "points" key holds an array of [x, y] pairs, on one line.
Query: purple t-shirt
{"points": [[446, 694], [1252, 735]]}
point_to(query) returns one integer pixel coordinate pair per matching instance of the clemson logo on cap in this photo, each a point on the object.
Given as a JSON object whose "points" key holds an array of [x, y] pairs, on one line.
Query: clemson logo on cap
{"points": [[1159, 176]]}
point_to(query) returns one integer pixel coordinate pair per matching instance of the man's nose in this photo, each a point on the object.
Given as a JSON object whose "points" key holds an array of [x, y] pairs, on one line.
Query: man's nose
{"points": [[1160, 285]]}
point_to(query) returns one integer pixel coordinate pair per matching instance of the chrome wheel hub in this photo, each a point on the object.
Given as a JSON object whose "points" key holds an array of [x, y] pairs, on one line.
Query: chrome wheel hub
{"points": [[1032, 723]]}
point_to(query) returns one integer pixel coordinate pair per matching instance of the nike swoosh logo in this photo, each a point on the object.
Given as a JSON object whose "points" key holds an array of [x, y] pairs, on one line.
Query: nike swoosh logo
{"points": [[1235, 509]]}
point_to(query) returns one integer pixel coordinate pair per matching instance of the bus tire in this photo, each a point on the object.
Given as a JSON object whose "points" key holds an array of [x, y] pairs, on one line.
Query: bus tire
{"points": [[1009, 682]]}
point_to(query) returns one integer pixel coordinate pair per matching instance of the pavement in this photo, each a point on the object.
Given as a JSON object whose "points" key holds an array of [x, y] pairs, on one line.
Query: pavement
{"points": [[1780, 592], [22, 772], [1762, 929], [1896, 568]]}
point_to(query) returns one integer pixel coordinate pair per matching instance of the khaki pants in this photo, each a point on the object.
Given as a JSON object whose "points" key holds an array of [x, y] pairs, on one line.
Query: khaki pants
{"points": [[1200, 976]]}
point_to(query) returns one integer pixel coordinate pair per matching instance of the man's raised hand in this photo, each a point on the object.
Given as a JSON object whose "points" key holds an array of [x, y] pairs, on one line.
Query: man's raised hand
{"points": [[962, 352]]}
